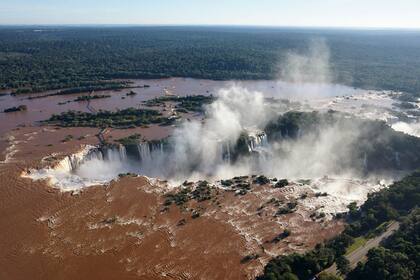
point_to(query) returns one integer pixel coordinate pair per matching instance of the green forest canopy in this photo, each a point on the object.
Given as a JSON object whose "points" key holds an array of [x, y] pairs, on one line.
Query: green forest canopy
{"points": [[38, 58]]}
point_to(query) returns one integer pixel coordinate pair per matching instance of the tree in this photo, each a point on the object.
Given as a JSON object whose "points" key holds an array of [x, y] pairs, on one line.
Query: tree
{"points": [[384, 264], [343, 265], [353, 211]]}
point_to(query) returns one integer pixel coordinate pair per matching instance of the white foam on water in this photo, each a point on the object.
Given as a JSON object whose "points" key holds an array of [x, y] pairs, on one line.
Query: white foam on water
{"points": [[341, 192], [77, 171], [408, 128]]}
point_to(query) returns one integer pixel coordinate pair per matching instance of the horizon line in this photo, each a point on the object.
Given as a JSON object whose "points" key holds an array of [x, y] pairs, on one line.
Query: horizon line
{"points": [[378, 28]]}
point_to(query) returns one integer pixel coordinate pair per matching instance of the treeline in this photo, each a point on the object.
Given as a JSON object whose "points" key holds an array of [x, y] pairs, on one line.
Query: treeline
{"points": [[98, 86], [395, 202], [87, 86], [67, 57], [306, 266], [389, 204]]}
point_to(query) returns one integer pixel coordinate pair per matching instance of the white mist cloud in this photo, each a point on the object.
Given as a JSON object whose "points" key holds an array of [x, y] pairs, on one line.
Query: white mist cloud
{"points": [[310, 66], [316, 154], [200, 146]]}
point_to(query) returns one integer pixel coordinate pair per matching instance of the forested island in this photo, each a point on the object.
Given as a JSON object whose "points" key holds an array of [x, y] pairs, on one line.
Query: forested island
{"points": [[19, 108], [91, 97], [184, 104], [83, 58], [127, 118]]}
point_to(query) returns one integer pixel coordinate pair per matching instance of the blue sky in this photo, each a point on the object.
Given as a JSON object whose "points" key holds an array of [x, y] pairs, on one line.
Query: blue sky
{"points": [[328, 13]]}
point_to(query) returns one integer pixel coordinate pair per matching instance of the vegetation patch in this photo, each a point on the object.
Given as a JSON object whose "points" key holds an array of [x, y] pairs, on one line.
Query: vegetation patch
{"points": [[289, 208], [184, 104], [67, 138], [202, 192], [226, 183], [397, 258], [127, 118], [87, 86], [358, 242], [281, 183], [74, 56], [249, 258], [262, 180], [131, 93], [19, 108], [178, 198], [286, 233], [91, 97], [130, 140]]}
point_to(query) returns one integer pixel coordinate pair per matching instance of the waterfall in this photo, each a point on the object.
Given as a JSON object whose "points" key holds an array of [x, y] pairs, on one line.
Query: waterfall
{"points": [[144, 152], [147, 151], [397, 158], [365, 161], [114, 153], [223, 152], [95, 154], [257, 142], [158, 148], [299, 133], [72, 162], [99, 165], [122, 152], [226, 153]]}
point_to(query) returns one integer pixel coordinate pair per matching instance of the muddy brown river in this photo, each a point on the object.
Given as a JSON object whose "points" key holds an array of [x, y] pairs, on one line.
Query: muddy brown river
{"points": [[42, 108]]}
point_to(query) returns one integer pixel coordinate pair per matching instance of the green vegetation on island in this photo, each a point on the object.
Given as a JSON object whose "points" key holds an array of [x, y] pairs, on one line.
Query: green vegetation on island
{"points": [[184, 104], [126, 118], [88, 86], [202, 192], [91, 97], [133, 139], [19, 108]]}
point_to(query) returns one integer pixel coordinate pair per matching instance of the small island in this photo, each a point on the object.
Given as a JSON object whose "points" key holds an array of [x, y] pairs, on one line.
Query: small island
{"points": [[19, 108], [90, 97]]}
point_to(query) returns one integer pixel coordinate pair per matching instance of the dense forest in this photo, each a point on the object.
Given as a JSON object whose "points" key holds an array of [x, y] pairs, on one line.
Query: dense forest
{"points": [[398, 259], [39, 58]]}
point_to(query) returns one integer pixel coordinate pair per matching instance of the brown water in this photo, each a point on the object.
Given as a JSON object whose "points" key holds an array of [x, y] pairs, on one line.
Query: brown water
{"points": [[42, 108]]}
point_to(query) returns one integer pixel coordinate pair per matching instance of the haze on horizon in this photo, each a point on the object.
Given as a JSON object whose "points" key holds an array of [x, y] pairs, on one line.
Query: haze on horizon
{"points": [[297, 13]]}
